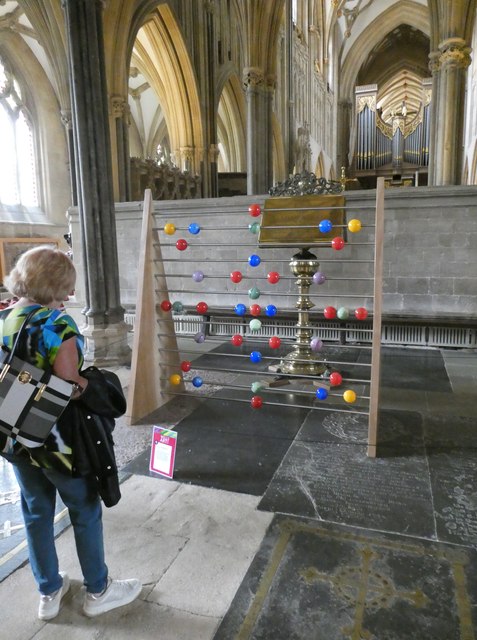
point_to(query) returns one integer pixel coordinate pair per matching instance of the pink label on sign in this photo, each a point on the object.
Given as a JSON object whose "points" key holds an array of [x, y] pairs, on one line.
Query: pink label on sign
{"points": [[163, 451]]}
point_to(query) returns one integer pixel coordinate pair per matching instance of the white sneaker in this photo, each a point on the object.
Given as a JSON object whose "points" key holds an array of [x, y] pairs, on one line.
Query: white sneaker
{"points": [[50, 605], [117, 594]]}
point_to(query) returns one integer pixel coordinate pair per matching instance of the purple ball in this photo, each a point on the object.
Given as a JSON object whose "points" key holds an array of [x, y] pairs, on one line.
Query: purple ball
{"points": [[318, 277], [197, 276], [199, 337], [316, 344]]}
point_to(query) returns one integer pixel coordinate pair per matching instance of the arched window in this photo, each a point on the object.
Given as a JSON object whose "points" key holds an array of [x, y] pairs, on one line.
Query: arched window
{"points": [[18, 176]]}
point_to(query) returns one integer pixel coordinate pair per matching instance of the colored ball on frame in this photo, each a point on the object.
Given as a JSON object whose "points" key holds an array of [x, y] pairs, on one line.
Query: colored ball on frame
{"points": [[194, 228], [236, 276], [274, 342], [181, 244], [273, 277], [256, 402], [199, 337], [255, 210], [166, 305], [325, 226], [354, 225], [329, 313], [256, 386], [177, 306], [202, 307], [271, 310], [349, 396], [255, 356], [321, 393], [254, 293], [343, 313], [361, 313], [169, 228], [254, 228], [337, 243], [240, 309], [316, 344], [236, 340], [319, 278], [255, 309], [198, 276], [254, 260], [335, 379], [197, 381], [175, 379], [186, 365], [255, 325]]}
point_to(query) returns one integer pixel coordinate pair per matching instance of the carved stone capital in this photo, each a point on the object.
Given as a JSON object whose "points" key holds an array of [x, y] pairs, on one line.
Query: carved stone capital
{"points": [[119, 106], [66, 118], [253, 77], [434, 64], [454, 54]]}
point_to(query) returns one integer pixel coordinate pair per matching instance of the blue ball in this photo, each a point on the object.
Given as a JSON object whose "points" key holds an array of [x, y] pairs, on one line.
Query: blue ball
{"points": [[255, 356], [197, 381], [194, 228], [325, 226], [271, 310], [321, 393], [254, 260], [240, 309]]}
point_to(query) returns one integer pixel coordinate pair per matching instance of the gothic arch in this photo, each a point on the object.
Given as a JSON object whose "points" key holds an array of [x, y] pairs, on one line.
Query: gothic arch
{"points": [[162, 57], [43, 107], [231, 125], [406, 12]]}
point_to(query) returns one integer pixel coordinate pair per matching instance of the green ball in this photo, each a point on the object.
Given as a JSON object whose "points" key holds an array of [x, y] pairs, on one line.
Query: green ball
{"points": [[254, 228], [256, 386], [342, 313], [177, 307], [254, 324], [254, 293]]}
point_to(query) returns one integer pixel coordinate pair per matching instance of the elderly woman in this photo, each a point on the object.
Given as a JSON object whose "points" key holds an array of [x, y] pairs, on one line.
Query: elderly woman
{"points": [[41, 280]]}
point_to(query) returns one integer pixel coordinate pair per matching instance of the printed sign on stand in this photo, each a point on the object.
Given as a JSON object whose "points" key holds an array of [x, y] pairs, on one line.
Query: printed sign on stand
{"points": [[163, 451]]}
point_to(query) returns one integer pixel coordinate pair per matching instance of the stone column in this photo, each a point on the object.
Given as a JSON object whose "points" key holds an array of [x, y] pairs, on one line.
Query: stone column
{"points": [[105, 331], [259, 94], [120, 144], [68, 124], [345, 145], [449, 68]]}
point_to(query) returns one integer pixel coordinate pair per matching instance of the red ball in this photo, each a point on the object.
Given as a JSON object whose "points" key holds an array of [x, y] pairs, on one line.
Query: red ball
{"points": [[329, 313], [255, 309], [335, 379], [186, 365], [361, 313], [255, 210], [256, 402], [166, 305], [201, 307], [236, 340], [274, 342], [181, 244], [273, 277], [337, 243], [236, 276]]}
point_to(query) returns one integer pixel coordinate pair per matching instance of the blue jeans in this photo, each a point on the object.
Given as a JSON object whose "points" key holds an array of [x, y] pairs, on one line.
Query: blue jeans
{"points": [[38, 500]]}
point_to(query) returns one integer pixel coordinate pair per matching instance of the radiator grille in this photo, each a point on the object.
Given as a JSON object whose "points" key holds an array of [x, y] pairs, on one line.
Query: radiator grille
{"points": [[415, 335]]}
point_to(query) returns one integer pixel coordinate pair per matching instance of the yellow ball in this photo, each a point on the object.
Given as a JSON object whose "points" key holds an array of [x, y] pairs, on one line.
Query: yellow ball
{"points": [[349, 396], [354, 226], [175, 378], [169, 228]]}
